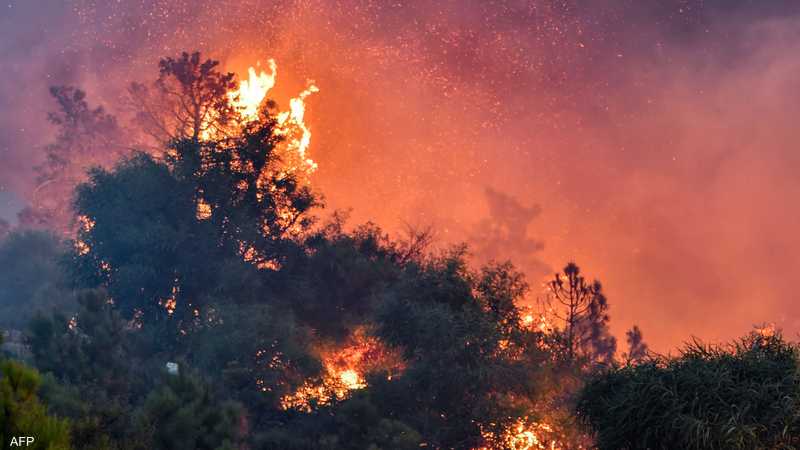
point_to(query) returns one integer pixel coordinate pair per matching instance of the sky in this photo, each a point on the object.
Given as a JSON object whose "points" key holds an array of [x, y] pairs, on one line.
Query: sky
{"points": [[652, 142]]}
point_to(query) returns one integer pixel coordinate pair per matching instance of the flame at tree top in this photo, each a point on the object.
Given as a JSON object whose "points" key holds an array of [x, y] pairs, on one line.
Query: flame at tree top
{"points": [[291, 124], [253, 90]]}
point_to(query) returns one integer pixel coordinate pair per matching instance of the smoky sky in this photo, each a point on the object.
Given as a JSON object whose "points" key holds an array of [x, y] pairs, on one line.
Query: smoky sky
{"points": [[652, 142]]}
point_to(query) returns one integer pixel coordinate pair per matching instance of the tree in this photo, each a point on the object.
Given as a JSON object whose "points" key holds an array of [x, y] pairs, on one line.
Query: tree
{"points": [[31, 278], [739, 396], [97, 374], [86, 136], [583, 312], [471, 367], [255, 354], [334, 287], [184, 413], [189, 100], [22, 414], [637, 348], [354, 424]]}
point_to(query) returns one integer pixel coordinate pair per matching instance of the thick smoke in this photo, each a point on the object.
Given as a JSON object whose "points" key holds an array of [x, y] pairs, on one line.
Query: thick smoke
{"points": [[657, 137]]}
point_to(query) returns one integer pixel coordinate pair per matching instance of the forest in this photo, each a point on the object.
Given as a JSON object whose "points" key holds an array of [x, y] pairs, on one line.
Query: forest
{"points": [[177, 287]]}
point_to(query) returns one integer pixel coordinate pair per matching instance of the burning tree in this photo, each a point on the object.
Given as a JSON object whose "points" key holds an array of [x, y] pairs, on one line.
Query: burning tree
{"points": [[223, 190], [189, 100]]}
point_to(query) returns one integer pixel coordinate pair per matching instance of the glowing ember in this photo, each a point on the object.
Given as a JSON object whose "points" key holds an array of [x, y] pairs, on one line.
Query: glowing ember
{"points": [[171, 302], [86, 224], [203, 210]]}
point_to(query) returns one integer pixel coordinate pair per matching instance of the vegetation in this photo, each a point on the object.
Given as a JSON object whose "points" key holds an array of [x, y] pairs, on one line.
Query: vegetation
{"points": [[201, 305], [741, 396], [21, 412]]}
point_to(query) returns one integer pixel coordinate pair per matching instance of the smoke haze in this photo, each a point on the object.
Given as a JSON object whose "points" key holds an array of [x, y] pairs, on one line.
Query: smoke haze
{"points": [[653, 142]]}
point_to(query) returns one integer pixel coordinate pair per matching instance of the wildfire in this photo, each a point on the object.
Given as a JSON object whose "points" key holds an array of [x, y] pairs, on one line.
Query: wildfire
{"points": [[767, 330], [344, 370], [524, 435], [291, 124], [86, 224], [253, 90]]}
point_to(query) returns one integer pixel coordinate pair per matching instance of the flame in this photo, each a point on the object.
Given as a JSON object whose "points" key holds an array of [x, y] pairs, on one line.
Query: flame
{"points": [[203, 209], [767, 330], [344, 370], [295, 117], [291, 124], [86, 225], [524, 435], [171, 302], [252, 91]]}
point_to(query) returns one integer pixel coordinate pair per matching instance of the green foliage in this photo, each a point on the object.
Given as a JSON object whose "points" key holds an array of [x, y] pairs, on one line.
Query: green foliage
{"points": [[183, 413], [31, 278], [253, 355], [22, 414], [742, 396], [143, 236], [468, 355], [338, 284], [145, 239], [355, 424], [95, 372]]}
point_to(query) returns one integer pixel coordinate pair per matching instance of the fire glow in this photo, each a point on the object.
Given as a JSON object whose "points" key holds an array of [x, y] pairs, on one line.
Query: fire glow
{"points": [[344, 370], [249, 98]]}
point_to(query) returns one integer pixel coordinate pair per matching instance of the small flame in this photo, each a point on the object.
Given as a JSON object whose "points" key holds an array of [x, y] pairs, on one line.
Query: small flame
{"points": [[524, 435], [203, 209], [767, 330], [343, 371]]}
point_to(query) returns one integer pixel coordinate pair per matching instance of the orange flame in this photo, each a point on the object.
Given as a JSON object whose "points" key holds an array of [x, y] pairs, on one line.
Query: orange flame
{"points": [[524, 435], [253, 91], [344, 370]]}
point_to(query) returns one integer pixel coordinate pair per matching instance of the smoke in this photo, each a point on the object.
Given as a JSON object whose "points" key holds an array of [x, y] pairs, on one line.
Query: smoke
{"points": [[657, 137]]}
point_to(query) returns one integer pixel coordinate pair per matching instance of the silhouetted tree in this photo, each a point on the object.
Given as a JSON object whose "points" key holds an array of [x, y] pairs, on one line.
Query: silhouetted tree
{"points": [[86, 136], [151, 223], [582, 308], [31, 278], [472, 366], [637, 348], [189, 100], [98, 373]]}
